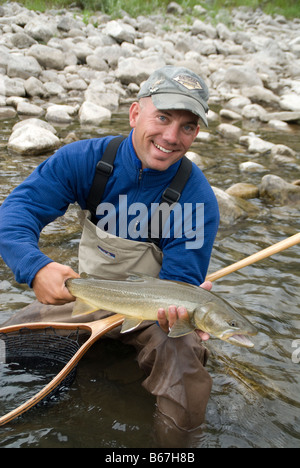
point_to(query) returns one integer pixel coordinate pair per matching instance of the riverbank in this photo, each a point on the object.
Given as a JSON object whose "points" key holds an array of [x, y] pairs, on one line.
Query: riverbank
{"points": [[58, 68], [288, 8]]}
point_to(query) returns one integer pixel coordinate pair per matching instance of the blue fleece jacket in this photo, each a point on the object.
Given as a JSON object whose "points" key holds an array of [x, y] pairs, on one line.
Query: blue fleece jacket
{"points": [[66, 178]]}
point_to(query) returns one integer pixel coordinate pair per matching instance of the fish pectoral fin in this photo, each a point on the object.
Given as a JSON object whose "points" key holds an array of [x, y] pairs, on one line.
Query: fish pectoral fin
{"points": [[181, 328], [83, 308], [129, 324]]}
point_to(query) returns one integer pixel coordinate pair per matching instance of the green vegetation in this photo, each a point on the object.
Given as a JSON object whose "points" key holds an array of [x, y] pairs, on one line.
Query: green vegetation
{"points": [[288, 8]]}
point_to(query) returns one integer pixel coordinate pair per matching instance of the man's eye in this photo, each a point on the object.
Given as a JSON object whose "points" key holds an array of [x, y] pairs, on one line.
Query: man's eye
{"points": [[189, 128]]}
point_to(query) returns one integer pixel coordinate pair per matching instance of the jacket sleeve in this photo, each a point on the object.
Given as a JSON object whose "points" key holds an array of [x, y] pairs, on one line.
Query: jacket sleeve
{"points": [[45, 195]]}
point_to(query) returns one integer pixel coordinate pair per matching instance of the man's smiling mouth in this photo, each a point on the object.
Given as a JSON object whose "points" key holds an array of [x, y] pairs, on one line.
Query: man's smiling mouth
{"points": [[164, 150]]}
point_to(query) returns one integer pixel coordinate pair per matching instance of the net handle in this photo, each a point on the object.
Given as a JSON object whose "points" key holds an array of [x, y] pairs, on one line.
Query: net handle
{"points": [[97, 329], [273, 249]]}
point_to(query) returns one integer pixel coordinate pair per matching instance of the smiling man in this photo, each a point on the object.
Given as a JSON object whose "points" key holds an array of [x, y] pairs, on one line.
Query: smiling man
{"points": [[162, 137], [113, 183]]}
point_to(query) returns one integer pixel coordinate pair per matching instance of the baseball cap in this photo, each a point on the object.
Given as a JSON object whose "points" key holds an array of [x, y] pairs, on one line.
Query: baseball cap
{"points": [[177, 88]]}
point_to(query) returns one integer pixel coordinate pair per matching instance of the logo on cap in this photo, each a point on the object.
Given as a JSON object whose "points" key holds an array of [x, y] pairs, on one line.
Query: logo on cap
{"points": [[188, 82], [155, 86]]}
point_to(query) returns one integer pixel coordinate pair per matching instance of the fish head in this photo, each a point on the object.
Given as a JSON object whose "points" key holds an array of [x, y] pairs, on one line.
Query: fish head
{"points": [[224, 322]]}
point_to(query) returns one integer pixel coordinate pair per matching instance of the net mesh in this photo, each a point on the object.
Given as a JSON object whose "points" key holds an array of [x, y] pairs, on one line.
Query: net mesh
{"points": [[41, 349]]}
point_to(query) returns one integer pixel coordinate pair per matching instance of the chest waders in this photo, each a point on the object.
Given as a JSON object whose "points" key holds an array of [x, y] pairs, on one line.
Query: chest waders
{"points": [[174, 368]]}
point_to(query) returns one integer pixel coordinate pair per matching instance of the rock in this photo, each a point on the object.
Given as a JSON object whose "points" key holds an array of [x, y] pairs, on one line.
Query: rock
{"points": [[237, 104], [205, 137], [232, 209], [292, 117], [109, 54], [11, 86], [260, 95], [283, 150], [48, 57], [229, 131], [40, 30], [230, 115], [22, 40], [199, 27], [35, 87], [252, 167], [82, 51], [92, 114], [223, 32], [253, 112], [66, 23], [174, 8], [279, 191], [7, 113], [242, 76], [23, 67], [35, 122], [97, 63], [199, 10], [243, 190], [134, 70], [200, 161], [61, 114], [102, 96], [4, 57], [283, 155], [25, 108], [290, 102], [31, 139], [76, 84], [120, 32], [53, 89], [279, 125], [256, 145]]}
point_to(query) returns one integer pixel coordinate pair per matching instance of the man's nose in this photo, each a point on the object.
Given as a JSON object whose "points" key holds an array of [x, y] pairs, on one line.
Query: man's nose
{"points": [[171, 133]]}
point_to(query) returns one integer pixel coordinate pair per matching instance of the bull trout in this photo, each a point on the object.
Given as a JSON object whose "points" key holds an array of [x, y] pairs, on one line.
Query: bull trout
{"points": [[139, 297]]}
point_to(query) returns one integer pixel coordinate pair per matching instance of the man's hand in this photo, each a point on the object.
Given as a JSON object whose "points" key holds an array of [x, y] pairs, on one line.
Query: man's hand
{"points": [[49, 284], [175, 313]]}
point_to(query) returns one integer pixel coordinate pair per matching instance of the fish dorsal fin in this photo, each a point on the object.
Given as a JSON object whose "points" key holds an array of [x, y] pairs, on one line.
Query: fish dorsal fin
{"points": [[130, 323], [181, 328], [83, 308], [132, 276]]}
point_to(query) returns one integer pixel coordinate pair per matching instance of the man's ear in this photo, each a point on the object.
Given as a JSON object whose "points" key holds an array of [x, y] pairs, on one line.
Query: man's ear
{"points": [[134, 113]]}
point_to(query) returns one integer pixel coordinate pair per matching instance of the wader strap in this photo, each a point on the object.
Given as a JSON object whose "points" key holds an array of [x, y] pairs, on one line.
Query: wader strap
{"points": [[173, 193], [104, 169], [170, 196]]}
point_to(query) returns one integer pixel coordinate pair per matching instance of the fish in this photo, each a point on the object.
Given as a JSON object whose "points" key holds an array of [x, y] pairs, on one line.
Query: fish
{"points": [[138, 297]]}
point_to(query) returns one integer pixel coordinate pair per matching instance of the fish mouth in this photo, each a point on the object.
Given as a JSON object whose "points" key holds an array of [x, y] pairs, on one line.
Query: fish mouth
{"points": [[240, 340]]}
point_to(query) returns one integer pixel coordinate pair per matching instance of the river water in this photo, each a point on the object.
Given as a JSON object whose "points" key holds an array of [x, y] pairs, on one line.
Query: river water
{"points": [[255, 401]]}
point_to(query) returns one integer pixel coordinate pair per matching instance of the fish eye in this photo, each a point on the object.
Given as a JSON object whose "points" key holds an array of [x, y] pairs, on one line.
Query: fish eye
{"points": [[233, 324]]}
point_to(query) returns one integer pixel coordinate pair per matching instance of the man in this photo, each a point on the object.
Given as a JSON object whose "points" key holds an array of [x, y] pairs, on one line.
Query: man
{"points": [[165, 122]]}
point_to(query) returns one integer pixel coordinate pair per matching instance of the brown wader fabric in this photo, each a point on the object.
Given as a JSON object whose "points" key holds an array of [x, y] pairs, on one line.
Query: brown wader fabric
{"points": [[174, 366]]}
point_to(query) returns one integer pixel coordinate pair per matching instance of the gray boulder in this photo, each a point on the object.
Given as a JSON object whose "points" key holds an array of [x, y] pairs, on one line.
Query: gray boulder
{"points": [[32, 139], [279, 191], [48, 57], [19, 66]]}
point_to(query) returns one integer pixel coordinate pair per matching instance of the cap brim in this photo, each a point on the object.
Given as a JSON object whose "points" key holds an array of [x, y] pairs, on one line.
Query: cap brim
{"points": [[170, 101]]}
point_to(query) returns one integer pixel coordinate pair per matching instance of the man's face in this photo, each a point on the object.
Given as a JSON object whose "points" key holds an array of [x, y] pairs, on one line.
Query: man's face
{"points": [[161, 138]]}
